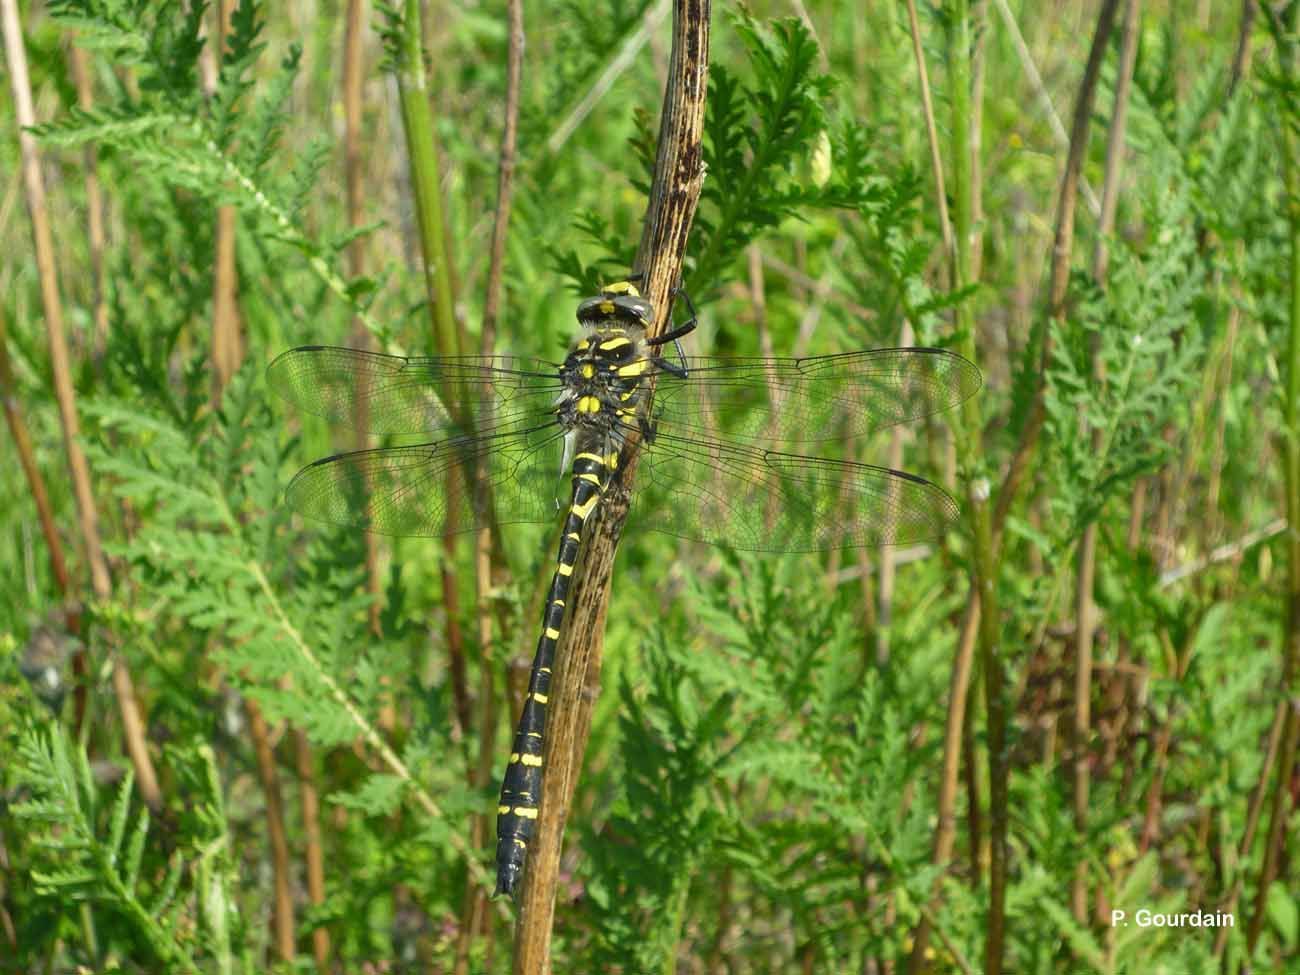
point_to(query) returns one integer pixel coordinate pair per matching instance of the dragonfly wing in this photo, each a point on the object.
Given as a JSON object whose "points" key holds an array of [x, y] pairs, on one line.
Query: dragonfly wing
{"points": [[426, 489], [786, 401], [766, 501], [388, 394]]}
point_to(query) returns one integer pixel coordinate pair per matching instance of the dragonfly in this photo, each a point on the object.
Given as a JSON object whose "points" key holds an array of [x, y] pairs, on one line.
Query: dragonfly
{"points": [[724, 461]]}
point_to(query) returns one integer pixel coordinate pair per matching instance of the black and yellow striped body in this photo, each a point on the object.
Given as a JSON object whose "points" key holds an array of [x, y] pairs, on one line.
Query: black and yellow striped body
{"points": [[603, 400]]}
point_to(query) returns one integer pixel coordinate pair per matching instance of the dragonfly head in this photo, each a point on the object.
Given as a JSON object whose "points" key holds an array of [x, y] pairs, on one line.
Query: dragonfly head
{"points": [[617, 305]]}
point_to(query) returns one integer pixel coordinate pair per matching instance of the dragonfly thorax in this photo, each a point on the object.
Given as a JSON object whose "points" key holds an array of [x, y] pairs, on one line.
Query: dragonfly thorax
{"points": [[604, 380]]}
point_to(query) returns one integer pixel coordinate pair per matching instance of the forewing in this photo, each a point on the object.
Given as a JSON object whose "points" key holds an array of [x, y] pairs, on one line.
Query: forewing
{"points": [[766, 501], [427, 489], [786, 401], [387, 394]]}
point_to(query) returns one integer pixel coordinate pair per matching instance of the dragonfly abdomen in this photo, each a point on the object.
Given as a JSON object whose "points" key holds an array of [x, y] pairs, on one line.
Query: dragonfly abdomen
{"points": [[521, 790]]}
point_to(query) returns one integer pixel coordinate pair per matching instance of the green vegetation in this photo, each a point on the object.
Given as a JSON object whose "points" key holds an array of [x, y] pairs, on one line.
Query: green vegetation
{"points": [[819, 763]]}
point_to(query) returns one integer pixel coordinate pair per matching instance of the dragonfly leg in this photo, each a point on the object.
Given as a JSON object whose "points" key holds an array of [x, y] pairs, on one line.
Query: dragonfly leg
{"points": [[674, 335]]}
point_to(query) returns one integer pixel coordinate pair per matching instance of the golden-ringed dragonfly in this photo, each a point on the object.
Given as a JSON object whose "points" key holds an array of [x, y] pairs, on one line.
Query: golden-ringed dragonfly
{"points": [[724, 441]]}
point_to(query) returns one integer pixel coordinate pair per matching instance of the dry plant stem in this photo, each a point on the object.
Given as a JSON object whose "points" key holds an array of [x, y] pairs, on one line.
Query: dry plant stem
{"points": [[987, 538], [1086, 566], [45, 514], [1288, 45], [886, 558], [1278, 811], [313, 849], [758, 301], [1223, 382], [675, 191], [946, 827], [1062, 249], [27, 459], [981, 613], [95, 235], [979, 27], [266, 773], [97, 240], [226, 352], [226, 343], [984, 553], [970, 766], [353, 76], [1178, 664], [1040, 90], [1253, 810], [487, 570], [61, 367], [1241, 58], [1223, 553], [353, 177], [931, 131]]}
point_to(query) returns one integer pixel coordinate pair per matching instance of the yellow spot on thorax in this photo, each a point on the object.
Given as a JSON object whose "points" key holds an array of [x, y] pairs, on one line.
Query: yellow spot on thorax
{"points": [[634, 368]]}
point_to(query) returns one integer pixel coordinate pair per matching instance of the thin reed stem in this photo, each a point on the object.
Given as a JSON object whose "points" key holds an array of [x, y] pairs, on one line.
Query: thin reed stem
{"points": [[1086, 564], [133, 725], [1287, 41], [96, 237], [269, 779], [490, 571], [313, 848]]}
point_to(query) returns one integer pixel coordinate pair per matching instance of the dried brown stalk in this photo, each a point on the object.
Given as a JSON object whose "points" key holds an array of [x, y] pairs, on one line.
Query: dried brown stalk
{"points": [[1253, 810], [931, 132], [313, 850], [945, 833], [1241, 57], [489, 571], [1062, 249], [95, 235], [27, 459], [133, 727], [1085, 609], [678, 179], [1286, 37], [227, 344], [266, 774]]}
